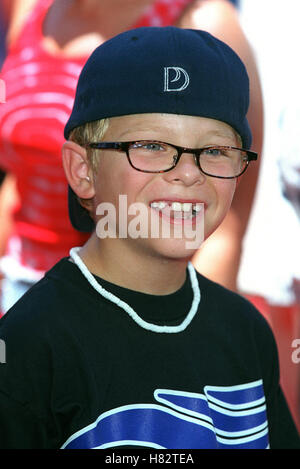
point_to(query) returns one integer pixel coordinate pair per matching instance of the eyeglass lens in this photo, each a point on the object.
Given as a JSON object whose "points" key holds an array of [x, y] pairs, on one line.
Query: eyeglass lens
{"points": [[158, 156]]}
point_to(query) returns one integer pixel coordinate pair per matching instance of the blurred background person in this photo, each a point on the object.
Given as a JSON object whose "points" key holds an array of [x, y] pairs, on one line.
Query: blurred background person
{"points": [[8, 194]]}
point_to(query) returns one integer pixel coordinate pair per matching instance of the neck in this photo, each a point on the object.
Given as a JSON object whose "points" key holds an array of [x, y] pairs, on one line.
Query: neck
{"points": [[147, 274]]}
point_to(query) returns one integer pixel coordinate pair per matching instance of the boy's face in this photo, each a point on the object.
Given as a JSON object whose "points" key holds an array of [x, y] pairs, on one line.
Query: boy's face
{"points": [[185, 183]]}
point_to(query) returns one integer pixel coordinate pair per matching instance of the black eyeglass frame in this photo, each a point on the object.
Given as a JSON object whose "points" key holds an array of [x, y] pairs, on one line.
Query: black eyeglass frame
{"points": [[196, 152]]}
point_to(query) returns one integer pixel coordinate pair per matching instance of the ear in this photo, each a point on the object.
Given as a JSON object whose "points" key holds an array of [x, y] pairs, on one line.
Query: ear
{"points": [[77, 170]]}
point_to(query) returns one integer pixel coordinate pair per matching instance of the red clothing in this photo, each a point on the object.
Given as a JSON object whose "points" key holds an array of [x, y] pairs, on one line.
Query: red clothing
{"points": [[40, 88]]}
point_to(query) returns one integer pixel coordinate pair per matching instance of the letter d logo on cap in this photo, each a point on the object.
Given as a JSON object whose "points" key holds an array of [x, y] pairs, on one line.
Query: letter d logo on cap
{"points": [[175, 79]]}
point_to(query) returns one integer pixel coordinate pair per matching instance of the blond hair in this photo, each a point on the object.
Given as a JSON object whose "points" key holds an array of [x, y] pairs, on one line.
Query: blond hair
{"points": [[89, 133]]}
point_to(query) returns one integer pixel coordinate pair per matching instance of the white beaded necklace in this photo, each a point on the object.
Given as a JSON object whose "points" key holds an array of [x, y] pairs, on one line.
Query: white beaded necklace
{"points": [[144, 324]]}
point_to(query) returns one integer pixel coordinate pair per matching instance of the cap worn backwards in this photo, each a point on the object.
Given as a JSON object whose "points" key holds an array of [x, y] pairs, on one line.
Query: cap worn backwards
{"points": [[160, 70]]}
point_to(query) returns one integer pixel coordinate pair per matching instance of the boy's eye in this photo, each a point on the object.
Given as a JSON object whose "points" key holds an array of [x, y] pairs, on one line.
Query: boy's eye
{"points": [[225, 152], [212, 151], [148, 146]]}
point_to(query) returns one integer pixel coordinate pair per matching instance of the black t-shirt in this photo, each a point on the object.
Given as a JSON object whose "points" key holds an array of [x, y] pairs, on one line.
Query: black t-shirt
{"points": [[81, 373]]}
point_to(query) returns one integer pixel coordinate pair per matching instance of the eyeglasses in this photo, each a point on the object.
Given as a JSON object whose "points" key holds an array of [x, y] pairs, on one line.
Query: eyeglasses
{"points": [[151, 156]]}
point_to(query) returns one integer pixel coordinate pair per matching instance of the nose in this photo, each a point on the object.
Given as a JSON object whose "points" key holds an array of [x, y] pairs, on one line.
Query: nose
{"points": [[186, 171]]}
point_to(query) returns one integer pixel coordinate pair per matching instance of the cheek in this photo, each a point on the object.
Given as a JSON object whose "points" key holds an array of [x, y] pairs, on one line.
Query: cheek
{"points": [[120, 179], [224, 191], [220, 205]]}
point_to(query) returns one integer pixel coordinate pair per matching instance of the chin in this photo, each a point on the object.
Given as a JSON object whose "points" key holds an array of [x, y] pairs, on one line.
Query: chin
{"points": [[174, 249]]}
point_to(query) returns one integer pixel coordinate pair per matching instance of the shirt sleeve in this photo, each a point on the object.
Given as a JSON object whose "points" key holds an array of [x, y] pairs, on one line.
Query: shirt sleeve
{"points": [[283, 433], [282, 429]]}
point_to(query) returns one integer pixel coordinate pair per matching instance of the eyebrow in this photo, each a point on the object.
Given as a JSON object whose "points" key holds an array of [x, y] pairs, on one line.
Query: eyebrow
{"points": [[217, 133], [144, 129]]}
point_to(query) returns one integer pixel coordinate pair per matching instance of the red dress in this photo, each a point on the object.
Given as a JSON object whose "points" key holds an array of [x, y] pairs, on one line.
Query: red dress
{"points": [[40, 88]]}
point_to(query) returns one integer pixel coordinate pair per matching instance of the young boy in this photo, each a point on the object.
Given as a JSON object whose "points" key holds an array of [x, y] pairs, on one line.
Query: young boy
{"points": [[123, 344]]}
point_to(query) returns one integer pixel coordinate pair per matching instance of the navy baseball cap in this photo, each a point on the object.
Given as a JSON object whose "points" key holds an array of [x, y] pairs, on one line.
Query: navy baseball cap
{"points": [[160, 70]]}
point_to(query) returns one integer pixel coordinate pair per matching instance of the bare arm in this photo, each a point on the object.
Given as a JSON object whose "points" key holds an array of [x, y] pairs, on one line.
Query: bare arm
{"points": [[219, 258], [14, 12]]}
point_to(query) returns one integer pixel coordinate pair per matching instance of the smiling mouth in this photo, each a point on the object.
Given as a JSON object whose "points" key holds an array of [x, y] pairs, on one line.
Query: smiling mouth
{"points": [[177, 210]]}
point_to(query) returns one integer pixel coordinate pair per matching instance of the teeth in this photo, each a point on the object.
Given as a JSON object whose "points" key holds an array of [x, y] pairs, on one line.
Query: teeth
{"points": [[160, 205], [181, 207], [177, 206], [187, 207]]}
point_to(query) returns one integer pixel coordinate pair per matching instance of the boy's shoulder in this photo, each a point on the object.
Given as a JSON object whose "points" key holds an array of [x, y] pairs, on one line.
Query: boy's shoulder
{"points": [[216, 293], [45, 302], [38, 332], [229, 306]]}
